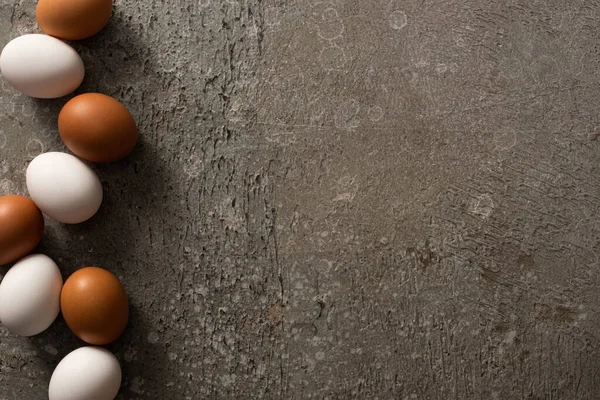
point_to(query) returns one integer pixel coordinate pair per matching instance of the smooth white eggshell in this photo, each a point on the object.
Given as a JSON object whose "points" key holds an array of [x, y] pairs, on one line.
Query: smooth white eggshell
{"points": [[63, 187], [41, 66], [88, 373], [30, 295]]}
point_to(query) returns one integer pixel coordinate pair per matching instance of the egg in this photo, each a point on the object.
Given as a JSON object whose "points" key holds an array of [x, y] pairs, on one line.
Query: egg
{"points": [[30, 295], [64, 187], [21, 227], [88, 373], [73, 20], [41, 66], [94, 305], [97, 128]]}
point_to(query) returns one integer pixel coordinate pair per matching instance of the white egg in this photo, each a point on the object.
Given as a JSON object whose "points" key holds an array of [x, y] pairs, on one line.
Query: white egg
{"points": [[63, 187], [41, 66], [30, 295], [88, 373]]}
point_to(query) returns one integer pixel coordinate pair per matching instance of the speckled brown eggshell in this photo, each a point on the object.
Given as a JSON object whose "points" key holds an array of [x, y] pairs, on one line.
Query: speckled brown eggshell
{"points": [[97, 128], [73, 19], [94, 305], [21, 227]]}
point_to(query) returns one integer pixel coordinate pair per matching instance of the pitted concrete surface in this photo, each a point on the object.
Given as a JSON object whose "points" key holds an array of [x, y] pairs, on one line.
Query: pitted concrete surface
{"points": [[351, 199]]}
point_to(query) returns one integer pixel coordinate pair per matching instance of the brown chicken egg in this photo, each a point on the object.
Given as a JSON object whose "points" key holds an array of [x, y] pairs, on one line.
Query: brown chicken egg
{"points": [[73, 19], [97, 128], [21, 227], [94, 305]]}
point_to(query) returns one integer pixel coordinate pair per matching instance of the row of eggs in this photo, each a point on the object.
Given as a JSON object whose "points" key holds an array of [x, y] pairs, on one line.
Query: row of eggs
{"points": [[93, 301], [95, 128], [95, 307]]}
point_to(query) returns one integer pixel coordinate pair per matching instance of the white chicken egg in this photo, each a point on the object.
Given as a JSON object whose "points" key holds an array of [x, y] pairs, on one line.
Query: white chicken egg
{"points": [[30, 295], [85, 374], [41, 66], [63, 187]]}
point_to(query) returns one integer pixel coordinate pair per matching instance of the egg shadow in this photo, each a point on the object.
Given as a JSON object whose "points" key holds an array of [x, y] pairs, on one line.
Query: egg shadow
{"points": [[122, 239], [145, 368], [117, 61], [144, 361], [125, 235]]}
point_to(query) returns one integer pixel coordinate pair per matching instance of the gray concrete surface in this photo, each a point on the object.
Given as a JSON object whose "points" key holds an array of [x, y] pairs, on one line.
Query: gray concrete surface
{"points": [[353, 199]]}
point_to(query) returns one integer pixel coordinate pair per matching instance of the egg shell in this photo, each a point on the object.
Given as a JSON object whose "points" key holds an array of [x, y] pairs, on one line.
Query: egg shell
{"points": [[97, 128], [94, 305], [41, 66], [73, 20], [30, 295], [64, 187], [21, 227], [88, 373]]}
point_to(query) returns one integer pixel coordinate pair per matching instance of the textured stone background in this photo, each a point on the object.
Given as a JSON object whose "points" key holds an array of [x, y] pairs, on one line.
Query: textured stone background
{"points": [[377, 199]]}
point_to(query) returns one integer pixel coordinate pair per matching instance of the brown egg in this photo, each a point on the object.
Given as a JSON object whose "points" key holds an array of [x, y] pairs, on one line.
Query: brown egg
{"points": [[73, 19], [21, 227], [94, 305], [97, 128]]}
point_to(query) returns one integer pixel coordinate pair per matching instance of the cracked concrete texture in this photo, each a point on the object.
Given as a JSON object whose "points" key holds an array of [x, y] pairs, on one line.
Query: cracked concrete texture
{"points": [[336, 199]]}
